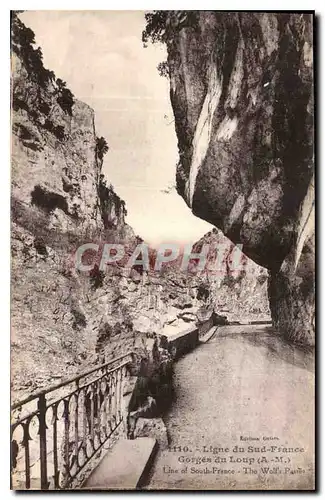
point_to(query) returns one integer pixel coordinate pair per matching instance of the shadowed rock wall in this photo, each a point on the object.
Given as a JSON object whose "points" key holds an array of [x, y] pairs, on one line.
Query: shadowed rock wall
{"points": [[241, 88]]}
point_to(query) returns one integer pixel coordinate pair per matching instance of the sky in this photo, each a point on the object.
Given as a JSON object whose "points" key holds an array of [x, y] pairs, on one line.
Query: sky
{"points": [[101, 57]]}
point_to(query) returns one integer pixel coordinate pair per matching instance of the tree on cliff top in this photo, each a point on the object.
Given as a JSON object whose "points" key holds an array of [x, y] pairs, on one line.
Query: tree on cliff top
{"points": [[101, 148], [65, 96], [161, 25], [155, 30], [23, 44]]}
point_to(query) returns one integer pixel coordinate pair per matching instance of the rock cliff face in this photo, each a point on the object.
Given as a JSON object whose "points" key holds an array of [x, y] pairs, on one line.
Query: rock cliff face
{"points": [[241, 88], [237, 286], [59, 201]]}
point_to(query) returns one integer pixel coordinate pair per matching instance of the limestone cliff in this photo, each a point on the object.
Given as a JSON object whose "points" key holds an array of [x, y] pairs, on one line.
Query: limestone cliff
{"points": [[237, 286], [59, 201], [241, 88]]}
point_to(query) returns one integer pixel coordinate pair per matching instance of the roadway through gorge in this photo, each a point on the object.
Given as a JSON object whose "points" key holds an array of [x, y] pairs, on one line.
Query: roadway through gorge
{"points": [[245, 387]]}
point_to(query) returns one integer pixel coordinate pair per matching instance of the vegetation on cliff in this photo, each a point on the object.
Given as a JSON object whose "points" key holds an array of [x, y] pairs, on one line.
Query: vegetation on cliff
{"points": [[23, 44]]}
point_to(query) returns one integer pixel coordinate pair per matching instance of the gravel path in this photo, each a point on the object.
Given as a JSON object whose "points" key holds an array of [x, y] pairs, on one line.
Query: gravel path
{"points": [[245, 382]]}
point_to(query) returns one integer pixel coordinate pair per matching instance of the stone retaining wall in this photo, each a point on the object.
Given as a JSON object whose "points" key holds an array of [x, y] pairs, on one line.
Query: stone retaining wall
{"points": [[183, 342]]}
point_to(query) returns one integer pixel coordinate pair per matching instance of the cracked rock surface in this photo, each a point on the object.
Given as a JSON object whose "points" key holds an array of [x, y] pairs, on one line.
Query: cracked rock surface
{"points": [[241, 88]]}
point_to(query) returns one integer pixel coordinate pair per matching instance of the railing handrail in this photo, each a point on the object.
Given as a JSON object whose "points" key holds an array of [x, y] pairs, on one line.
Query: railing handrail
{"points": [[67, 381], [69, 434]]}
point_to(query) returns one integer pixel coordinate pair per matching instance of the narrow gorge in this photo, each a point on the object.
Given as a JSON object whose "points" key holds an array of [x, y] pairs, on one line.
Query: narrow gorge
{"points": [[130, 337], [60, 200]]}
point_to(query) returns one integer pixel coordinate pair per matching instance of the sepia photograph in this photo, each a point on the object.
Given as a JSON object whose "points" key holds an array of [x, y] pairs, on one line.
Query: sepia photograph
{"points": [[162, 250]]}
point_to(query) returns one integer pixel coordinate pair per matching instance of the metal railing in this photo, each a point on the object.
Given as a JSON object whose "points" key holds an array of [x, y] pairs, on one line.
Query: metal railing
{"points": [[57, 431]]}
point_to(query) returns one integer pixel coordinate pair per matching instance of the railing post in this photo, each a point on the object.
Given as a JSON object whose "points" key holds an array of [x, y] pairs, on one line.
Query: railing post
{"points": [[56, 471], [76, 424], [124, 409], [99, 395], [66, 450], [42, 439], [26, 439]]}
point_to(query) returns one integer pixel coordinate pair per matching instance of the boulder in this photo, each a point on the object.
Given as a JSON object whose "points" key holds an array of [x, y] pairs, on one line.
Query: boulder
{"points": [[241, 88]]}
